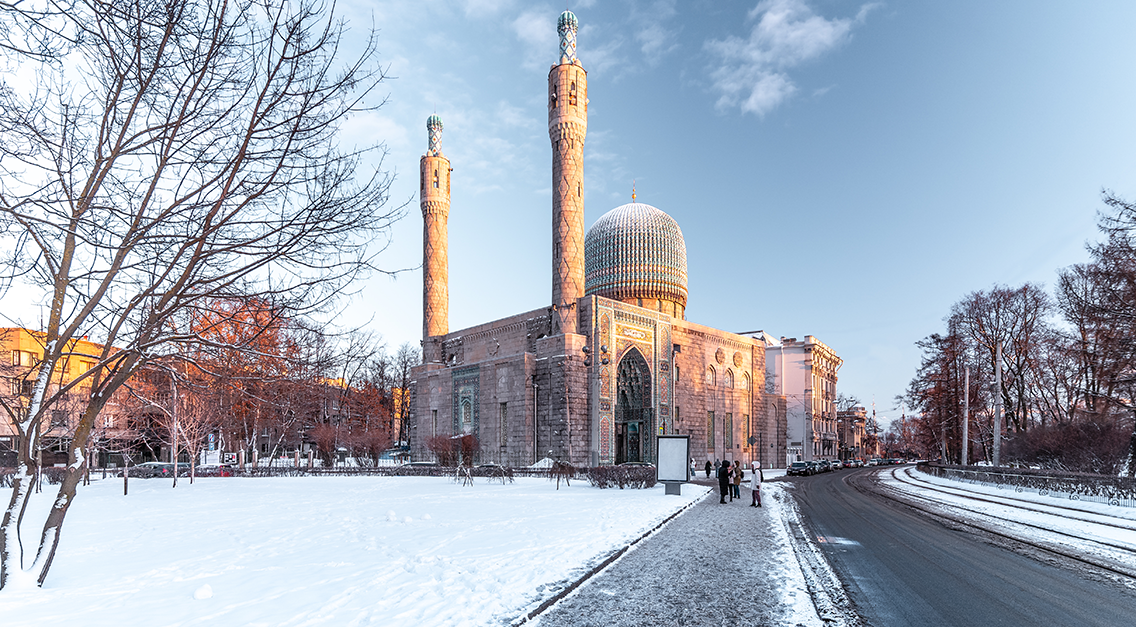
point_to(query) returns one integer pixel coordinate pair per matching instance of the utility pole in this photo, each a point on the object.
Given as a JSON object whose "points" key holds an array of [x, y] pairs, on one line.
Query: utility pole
{"points": [[998, 406], [965, 413]]}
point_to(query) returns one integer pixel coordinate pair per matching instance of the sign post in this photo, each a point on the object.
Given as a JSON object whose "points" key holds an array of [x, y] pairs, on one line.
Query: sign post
{"points": [[674, 462]]}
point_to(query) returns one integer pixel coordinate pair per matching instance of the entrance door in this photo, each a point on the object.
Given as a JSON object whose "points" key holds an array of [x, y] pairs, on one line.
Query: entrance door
{"points": [[633, 442], [633, 410]]}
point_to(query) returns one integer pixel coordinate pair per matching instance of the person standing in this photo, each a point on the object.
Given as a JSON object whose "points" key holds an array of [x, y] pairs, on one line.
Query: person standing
{"points": [[755, 485], [709, 467], [739, 473], [724, 482]]}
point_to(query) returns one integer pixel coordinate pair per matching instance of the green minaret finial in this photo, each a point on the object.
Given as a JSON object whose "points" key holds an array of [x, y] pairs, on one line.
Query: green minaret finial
{"points": [[434, 127], [567, 26]]}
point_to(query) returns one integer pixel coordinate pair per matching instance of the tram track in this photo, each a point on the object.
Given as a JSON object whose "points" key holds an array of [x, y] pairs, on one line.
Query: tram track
{"points": [[1062, 511], [1114, 557]]}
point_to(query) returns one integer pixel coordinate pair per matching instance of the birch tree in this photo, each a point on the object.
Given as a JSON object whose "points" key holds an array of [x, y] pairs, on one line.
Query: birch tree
{"points": [[160, 155]]}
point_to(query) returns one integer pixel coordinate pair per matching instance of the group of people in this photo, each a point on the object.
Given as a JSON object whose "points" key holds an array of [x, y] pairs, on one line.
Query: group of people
{"points": [[730, 477]]}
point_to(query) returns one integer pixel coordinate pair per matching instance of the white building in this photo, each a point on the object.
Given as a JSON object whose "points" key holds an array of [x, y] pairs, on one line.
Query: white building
{"points": [[805, 374]]}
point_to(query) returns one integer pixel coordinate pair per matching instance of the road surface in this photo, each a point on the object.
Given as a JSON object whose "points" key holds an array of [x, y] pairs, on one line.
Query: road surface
{"points": [[903, 568]]}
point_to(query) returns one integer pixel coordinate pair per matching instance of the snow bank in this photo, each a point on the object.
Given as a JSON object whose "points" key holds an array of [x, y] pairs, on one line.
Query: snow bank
{"points": [[328, 550]]}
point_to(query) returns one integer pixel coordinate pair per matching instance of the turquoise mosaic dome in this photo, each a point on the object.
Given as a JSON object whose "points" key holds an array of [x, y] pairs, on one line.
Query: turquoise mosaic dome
{"points": [[635, 251], [567, 20]]}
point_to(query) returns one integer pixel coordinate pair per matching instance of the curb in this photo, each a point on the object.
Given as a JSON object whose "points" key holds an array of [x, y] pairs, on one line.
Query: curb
{"points": [[549, 602]]}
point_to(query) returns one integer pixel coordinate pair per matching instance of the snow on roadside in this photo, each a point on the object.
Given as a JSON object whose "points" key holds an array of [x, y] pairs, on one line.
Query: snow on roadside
{"points": [[1095, 529], [328, 550]]}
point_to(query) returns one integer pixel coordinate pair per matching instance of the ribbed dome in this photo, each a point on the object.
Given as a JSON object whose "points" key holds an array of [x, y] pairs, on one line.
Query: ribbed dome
{"points": [[636, 252]]}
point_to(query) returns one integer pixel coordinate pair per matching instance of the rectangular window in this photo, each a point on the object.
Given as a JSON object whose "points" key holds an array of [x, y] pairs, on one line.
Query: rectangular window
{"points": [[503, 425], [24, 358], [710, 430], [728, 431], [434, 422], [748, 429], [58, 419]]}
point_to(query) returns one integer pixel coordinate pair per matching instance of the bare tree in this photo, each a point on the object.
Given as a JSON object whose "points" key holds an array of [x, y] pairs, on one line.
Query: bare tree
{"points": [[407, 357], [1015, 318], [171, 154]]}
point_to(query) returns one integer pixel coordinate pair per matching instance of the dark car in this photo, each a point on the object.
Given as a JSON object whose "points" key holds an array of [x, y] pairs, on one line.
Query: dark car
{"points": [[802, 469]]}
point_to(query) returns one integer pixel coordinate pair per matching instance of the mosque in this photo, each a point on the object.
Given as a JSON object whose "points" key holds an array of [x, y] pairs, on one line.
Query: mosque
{"points": [[592, 378]]}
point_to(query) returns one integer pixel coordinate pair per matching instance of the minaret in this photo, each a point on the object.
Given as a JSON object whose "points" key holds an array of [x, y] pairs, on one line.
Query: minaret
{"points": [[435, 200], [567, 126]]}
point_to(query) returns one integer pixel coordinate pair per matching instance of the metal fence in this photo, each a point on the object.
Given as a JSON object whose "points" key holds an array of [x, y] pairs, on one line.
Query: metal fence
{"points": [[1070, 486]]}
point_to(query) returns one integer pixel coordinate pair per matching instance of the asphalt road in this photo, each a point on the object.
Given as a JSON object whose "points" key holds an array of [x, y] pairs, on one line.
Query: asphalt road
{"points": [[903, 568]]}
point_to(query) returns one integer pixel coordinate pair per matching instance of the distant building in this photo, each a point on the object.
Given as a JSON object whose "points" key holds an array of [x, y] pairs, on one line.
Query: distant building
{"points": [[852, 429], [805, 373], [21, 352]]}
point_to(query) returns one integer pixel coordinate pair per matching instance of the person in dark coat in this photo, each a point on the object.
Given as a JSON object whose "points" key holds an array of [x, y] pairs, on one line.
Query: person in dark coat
{"points": [[709, 467], [724, 482]]}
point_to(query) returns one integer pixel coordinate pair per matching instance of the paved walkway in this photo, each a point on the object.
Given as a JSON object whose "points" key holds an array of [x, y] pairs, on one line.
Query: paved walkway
{"points": [[715, 565]]}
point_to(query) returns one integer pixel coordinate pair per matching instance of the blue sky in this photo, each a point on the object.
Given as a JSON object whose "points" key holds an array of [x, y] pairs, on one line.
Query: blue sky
{"points": [[840, 169]]}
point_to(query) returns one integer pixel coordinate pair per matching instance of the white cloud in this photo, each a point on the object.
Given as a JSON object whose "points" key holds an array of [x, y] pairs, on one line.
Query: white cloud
{"points": [[482, 7], [537, 32], [753, 72], [655, 39]]}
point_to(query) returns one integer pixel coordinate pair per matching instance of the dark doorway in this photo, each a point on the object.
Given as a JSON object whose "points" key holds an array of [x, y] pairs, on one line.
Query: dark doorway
{"points": [[633, 418]]}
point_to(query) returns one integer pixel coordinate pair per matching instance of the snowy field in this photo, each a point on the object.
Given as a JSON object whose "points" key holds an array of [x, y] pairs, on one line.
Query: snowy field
{"points": [[327, 551]]}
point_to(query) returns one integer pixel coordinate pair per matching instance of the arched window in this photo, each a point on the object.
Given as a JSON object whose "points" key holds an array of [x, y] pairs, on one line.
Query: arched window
{"points": [[466, 416], [729, 382], [711, 376], [572, 94], [745, 381], [552, 98], [435, 179]]}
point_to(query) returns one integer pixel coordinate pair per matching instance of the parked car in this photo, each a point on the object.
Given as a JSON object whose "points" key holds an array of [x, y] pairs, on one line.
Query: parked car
{"points": [[801, 469]]}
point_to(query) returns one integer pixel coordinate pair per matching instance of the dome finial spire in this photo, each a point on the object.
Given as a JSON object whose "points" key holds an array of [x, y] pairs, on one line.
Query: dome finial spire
{"points": [[567, 26], [632, 190]]}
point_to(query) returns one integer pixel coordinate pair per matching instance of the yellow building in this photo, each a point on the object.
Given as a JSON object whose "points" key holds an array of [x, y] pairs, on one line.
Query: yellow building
{"points": [[21, 352]]}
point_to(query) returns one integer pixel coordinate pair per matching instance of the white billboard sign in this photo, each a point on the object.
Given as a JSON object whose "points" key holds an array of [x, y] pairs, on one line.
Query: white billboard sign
{"points": [[674, 458]]}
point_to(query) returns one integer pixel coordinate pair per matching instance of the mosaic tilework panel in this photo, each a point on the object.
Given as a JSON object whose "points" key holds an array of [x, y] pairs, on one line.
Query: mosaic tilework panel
{"points": [[467, 389]]}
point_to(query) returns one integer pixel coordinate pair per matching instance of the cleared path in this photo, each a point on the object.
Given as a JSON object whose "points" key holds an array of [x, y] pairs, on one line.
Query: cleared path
{"points": [[728, 565]]}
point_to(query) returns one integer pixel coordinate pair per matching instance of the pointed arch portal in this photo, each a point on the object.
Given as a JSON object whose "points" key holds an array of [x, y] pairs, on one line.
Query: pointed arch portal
{"points": [[633, 417]]}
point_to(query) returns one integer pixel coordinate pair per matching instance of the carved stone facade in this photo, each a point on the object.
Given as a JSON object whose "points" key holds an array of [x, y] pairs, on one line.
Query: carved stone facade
{"points": [[593, 378]]}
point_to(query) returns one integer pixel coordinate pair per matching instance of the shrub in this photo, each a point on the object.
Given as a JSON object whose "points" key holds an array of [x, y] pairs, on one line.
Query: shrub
{"points": [[1089, 445], [636, 477], [449, 450]]}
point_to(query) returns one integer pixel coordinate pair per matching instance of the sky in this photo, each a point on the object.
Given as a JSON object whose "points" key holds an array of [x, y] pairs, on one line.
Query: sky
{"points": [[839, 169], [845, 170]]}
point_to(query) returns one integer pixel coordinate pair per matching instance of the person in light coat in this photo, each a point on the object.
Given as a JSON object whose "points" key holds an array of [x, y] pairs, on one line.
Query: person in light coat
{"points": [[755, 485]]}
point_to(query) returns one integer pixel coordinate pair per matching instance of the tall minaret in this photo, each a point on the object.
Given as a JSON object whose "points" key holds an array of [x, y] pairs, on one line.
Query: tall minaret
{"points": [[435, 200], [567, 126]]}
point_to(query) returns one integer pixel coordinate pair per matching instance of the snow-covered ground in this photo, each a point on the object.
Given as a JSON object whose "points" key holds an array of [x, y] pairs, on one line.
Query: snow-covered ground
{"points": [[327, 550], [1105, 534]]}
